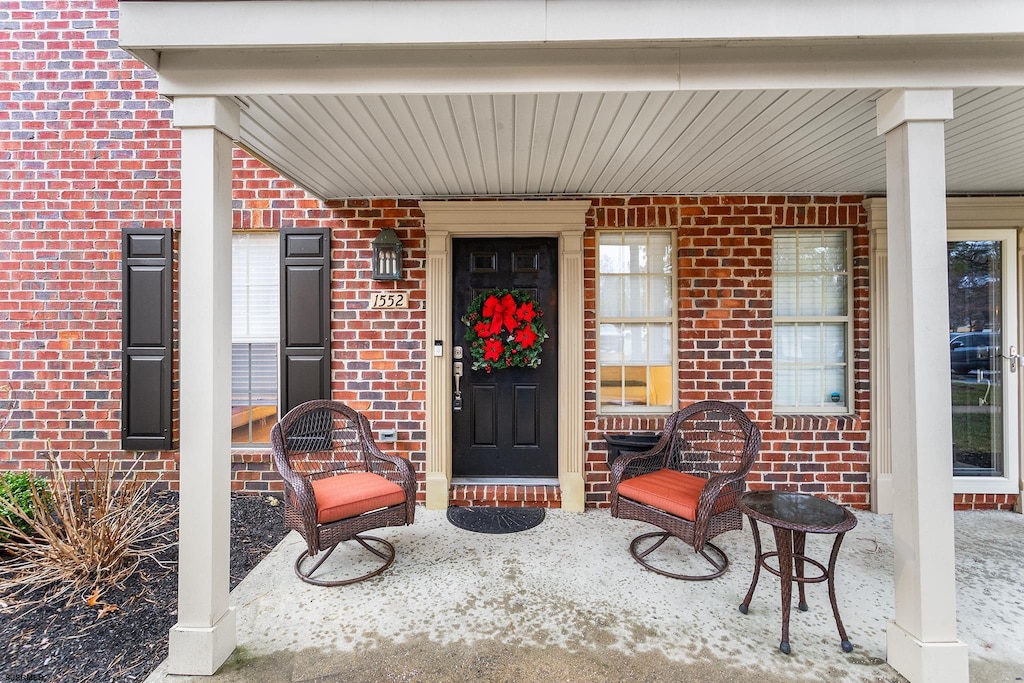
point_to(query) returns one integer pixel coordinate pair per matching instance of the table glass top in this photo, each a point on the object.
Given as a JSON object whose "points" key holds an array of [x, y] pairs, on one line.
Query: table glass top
{"points": [[795, 508]]}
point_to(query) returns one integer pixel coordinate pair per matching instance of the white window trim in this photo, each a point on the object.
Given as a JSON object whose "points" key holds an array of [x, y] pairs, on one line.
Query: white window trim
{"points": [[846, 406], [249, 339], [672, 319]]}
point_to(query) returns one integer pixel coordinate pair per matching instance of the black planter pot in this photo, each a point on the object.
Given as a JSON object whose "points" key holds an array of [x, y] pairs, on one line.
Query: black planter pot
{"points": [[636, 442]]}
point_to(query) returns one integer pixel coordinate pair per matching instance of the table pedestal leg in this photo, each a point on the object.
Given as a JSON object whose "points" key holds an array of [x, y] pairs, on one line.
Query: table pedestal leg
{"points": [[846, 644], [757, 567], [784, 545]]}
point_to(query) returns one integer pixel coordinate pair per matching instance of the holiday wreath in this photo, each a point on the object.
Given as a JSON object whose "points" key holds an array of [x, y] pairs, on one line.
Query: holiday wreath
{"points": [[504, 330]]}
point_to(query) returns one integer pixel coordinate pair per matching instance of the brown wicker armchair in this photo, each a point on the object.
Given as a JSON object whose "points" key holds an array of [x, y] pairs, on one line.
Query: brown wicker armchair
{"points": [[687, 484], [338, 484]]}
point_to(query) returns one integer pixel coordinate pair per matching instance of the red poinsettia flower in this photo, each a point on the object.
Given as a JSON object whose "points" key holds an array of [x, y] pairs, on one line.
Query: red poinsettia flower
{"points": [[526, 336], [483, 328], [526, 312], [493, 349]]}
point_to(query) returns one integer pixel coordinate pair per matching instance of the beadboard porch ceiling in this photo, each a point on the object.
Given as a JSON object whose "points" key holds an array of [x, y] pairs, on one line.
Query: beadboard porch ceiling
{"points": [[414, 98], [749, 141]]}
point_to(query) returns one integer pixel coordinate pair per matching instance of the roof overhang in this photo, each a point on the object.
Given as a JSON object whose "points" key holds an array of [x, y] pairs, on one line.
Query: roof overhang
{"points": [[528, 97]]}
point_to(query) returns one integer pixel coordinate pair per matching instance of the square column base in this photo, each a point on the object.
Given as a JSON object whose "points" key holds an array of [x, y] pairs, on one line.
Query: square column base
{"points": [[922, 662], [196, 651], [437, 491]]}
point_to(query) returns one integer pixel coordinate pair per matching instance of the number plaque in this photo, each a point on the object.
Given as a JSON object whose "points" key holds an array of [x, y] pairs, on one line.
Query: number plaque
{"points": [[389, 299]]}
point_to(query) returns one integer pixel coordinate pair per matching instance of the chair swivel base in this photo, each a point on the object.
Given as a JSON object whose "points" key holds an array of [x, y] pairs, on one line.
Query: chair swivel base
{"points": [[717, 559], [386, 553]]}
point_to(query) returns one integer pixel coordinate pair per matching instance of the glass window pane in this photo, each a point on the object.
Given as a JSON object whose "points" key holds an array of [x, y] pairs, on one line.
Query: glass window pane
{"points": [[834, 252], [634, 343], [662, 303], [811, 252], [835, 295], [611, 385], [809, 386], [835, 385], [613, 256], [808, 343], [785, 344], [611, 296], [784, 253], [809, 296], [635, 291], [659, 253], [610, 344], [784, 294], [660, 343], [785, 386], [833, 343]]}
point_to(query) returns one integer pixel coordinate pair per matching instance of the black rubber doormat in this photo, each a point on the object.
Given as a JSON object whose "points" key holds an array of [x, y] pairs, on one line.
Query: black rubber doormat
{"points": [[495, 520]]}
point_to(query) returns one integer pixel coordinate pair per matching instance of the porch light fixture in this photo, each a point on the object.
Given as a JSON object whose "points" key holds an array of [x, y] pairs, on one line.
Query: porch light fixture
{"points": [[387, 256]]}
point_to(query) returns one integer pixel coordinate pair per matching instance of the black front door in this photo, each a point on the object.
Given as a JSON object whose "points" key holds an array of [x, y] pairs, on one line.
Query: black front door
{"points": [[506, 424]]}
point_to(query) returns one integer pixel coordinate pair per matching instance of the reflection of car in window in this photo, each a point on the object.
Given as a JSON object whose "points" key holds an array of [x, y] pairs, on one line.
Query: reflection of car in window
{"points": [[971, 351]]}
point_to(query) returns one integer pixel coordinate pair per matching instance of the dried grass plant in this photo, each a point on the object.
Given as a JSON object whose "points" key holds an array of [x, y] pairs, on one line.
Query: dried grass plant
{"points": [[100, 524]]}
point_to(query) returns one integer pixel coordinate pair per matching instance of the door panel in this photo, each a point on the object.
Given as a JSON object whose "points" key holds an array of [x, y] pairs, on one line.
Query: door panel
{"points": [[507, 425]]}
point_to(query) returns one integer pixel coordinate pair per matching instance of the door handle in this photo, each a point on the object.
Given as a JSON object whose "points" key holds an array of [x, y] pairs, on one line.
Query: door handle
{"points": [[1014, 358], [457, 375]]}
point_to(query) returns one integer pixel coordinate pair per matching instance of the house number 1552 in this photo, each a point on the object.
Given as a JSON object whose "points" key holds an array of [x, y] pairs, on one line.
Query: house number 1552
{"points": [[389, 300]]}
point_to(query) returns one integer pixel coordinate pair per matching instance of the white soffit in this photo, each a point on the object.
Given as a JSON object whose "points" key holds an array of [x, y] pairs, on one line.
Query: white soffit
{"points": [[749, 141]]}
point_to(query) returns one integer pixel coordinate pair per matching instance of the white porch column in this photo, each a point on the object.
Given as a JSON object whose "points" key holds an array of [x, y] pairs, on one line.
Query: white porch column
{"points": [[922, 642], [205, 633]]}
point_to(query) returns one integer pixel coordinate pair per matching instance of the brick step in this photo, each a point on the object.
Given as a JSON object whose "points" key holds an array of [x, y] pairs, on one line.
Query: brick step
{"points": [[505, 495]]}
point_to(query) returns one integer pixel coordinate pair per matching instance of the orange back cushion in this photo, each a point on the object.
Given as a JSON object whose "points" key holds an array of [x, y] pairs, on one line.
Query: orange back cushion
{"points": [[348, 495]]}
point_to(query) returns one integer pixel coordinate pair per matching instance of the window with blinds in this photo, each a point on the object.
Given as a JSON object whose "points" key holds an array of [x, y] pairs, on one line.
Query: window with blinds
{"points": [[255, 319], [636, 321], [812, 298]]}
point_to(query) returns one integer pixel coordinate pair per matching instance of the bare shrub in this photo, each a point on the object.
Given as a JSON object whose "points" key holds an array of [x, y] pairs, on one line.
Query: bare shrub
{"points": [[99, 526]]}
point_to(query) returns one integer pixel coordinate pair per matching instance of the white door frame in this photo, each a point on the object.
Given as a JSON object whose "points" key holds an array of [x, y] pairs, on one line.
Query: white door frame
{"points": [[1010, 481], [979, 216], [444, 221]]}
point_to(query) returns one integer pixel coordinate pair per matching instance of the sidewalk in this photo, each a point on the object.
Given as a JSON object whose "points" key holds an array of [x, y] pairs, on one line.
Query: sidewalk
{"points": [[565, 602]]}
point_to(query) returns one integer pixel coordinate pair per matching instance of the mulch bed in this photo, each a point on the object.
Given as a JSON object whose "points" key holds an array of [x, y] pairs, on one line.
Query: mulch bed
{"points": [[60, 642]]}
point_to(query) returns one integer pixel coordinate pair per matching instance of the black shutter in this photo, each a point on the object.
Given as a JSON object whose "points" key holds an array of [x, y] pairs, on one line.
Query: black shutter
{"points": [[146, 339], [305, 316]]}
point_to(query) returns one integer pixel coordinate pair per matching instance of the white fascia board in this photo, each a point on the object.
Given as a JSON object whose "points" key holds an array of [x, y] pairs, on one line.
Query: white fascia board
{"points": [[592, 69], [173, 24]]}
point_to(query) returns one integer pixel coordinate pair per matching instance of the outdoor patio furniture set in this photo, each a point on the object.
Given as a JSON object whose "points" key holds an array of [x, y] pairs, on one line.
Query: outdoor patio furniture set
{"points": [[690, 485]]}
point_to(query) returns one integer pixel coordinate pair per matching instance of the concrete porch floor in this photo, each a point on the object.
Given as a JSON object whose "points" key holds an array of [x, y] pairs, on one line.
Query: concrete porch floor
{"points": [[564, 601]]}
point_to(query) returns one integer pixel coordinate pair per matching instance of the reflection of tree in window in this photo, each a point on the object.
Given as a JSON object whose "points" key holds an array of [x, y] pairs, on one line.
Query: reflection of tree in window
{"points": [[975, 286]]}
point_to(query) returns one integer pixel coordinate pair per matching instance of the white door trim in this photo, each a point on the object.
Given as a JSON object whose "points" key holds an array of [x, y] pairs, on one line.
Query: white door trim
{"points": [[443, 221]]}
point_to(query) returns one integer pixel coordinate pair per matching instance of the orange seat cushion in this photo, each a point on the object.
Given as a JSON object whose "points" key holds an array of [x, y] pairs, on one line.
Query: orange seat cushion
{"points": [[347, 495], [677, 493]]}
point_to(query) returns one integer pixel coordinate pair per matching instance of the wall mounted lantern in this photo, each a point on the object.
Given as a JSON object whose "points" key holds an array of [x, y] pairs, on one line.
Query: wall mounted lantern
{"points": [[387, 256]]}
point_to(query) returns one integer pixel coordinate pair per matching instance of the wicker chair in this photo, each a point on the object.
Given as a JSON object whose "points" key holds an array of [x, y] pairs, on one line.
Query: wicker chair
{"points": [[687, 484], [338, 485]]}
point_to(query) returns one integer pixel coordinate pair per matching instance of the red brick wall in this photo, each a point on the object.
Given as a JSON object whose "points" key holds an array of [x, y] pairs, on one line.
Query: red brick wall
{"points": [[725, 333], [87, 148]]}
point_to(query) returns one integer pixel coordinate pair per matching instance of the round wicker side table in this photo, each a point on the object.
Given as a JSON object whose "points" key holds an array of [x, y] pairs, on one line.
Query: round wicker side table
{"points": [[792, 516]]}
